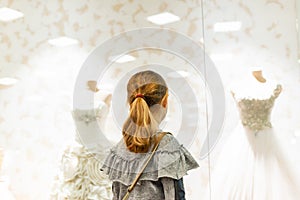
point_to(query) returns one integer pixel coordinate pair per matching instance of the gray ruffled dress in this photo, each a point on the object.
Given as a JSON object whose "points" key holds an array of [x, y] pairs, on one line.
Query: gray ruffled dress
{"points": [[170, 160]]}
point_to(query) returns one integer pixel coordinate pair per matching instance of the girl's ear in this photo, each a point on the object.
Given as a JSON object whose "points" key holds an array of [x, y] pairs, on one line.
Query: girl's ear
{"points": [[164, 101]]}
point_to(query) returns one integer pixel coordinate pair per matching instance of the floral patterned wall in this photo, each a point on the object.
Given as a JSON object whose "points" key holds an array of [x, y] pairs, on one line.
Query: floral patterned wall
{"points": [[36, 122]]}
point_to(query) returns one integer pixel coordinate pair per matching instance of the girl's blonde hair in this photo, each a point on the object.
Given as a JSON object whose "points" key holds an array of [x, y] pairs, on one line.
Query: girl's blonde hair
{"points": [[144, 90]]}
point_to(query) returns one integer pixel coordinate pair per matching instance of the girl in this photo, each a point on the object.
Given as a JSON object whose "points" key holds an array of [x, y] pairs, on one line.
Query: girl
{"points": [[148, 99]]}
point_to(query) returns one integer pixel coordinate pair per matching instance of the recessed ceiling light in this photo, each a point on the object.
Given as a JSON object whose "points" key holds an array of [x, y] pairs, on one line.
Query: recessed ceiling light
{"points": [[8, 81], [122, 59], [178, 74], [163, 18], [34, 98], [107, 87], [7, 14], [62, 41], [227, 26], [221, 56]]}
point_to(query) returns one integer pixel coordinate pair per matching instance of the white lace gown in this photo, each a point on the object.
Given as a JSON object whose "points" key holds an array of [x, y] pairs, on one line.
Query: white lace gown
{"points": [[252, 165], [80, 177]]}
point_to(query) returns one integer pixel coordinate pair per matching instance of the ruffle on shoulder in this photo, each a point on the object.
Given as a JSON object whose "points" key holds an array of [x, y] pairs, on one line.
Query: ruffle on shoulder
{"points": [[170, 160]]}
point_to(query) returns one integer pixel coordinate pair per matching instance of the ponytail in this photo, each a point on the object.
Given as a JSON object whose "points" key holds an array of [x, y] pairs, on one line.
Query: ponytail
{"points": [[144, 90], [139, 126]]}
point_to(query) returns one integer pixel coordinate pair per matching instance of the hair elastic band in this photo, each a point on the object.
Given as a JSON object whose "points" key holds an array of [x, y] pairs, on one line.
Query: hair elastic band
{"points": [[139, 95]]}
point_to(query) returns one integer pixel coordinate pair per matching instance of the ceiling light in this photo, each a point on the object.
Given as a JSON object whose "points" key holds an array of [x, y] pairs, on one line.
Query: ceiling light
{"points": [[106, 87], [163, 18], [8, 81], [34, 98], [223, 56], [178, 74], [227, 26], [62, 41], [122, 59], [7, 14]]}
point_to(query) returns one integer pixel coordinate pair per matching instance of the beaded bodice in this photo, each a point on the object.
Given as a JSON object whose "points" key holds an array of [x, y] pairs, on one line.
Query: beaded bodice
{"points": [[87, 120], [255, 113], [90, 115]]}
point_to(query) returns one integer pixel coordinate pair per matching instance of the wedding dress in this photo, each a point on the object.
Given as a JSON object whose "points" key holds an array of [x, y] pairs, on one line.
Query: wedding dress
{"points": [[252, 165], [80, 176]]}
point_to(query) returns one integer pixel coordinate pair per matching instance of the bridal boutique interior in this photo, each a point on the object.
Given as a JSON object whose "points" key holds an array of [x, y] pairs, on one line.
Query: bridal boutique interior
{"points": [[45, 43]]}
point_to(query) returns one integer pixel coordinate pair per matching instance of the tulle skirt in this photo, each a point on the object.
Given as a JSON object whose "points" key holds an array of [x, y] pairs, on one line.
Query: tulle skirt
{"points": [[252, 166]]}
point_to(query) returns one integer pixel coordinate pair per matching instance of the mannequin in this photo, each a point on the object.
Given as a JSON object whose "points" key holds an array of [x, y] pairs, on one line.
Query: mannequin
{"points": [[256, 85], [92, 85], [256, 164], [258, 75], [80, 177]]}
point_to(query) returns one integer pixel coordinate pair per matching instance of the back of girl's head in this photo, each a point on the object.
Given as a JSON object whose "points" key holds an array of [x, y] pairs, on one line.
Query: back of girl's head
{"points": [[144, 90]]}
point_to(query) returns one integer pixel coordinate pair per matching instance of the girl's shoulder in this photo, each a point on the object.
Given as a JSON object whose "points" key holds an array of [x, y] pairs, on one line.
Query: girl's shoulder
{"points": [[169, 143], [174, 160], [171, 159]]}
